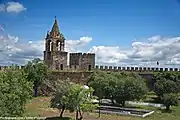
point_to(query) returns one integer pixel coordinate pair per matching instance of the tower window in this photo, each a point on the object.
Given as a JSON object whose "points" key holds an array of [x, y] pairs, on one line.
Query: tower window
{"points": [[61, 66], [89, 68], [50, 46]]}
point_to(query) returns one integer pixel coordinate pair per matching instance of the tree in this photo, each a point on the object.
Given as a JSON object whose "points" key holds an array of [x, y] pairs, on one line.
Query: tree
{"points": [[169, 99], [167, 87], [15, 91], [81, 100], [104, 85], [164, 86], [96, 81], [130, 88], [118, 86], [37, 72], [60, 99]]}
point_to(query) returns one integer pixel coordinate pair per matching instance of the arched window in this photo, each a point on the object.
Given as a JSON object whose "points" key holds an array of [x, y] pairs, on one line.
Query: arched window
{"points": [[50, 46], [62, 46], [59, 45]]}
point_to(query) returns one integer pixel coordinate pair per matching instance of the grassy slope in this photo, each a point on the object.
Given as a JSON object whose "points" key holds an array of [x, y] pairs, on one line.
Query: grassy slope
{"points": [[40, 107]]}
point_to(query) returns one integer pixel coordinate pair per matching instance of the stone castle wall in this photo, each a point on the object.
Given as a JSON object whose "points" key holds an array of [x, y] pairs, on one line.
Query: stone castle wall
{"points": [[111, 68], [79, 76], [138, 69]]}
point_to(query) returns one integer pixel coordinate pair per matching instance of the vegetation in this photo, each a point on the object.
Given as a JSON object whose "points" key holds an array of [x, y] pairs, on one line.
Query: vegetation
{"points": [[73, 97], [16, 87], [60, 99], [118, 86], [167, 87], [15, 91], [40, 106], [36, 72]]}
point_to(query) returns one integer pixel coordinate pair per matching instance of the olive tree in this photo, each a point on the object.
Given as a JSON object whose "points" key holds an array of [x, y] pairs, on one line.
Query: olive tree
{"points": [[15, 91], [37, 72]]}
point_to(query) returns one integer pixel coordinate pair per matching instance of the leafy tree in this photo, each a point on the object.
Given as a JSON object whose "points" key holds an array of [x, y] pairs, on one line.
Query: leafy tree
{"points": [[60, 99], [96, 81], [15, 91], [130, 88], [37, 72], [111, 86], [104, 85], [118, 86], [167, 87], [169, 99], [164, 86], [81, 100]]}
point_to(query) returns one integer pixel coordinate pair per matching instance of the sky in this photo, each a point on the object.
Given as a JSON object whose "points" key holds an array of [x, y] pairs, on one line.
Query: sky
{"points": [[119, 32]]}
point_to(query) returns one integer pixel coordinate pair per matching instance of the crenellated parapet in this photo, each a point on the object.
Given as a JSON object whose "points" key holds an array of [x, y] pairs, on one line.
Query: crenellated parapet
{"points": [[110, 68], [8, 67], [138, 69]]}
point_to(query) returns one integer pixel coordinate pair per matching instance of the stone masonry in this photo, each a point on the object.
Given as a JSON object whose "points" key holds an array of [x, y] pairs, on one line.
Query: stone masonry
{"points": [[56, 57]]}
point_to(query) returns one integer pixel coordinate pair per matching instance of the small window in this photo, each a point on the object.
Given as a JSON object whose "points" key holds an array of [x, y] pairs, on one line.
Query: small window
{"points": [[61, 66], [89, 67]]}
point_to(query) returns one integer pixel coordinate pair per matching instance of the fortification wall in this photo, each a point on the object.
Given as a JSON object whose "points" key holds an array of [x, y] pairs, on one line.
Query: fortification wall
{"points": [[77, 77], [138, 69], [112, 68], [81, 76]]}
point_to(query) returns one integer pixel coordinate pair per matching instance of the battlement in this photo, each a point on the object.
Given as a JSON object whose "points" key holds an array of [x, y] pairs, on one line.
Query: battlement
{"points": [[88, 54], [82, 54], [8, 67], [138, 69], [113, 68], [75, 54]]}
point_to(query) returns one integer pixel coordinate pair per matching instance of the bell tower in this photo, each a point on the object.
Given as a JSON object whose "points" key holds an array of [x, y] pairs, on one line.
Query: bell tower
{"points": [[54, 55]]}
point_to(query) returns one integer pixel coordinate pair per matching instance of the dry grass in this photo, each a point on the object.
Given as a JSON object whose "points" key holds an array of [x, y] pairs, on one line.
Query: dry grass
{"points": [[40, 107]]}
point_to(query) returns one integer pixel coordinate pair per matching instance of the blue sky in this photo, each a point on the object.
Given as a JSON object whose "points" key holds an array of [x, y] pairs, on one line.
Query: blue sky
{"points": [[113, 23], [116, 22]]}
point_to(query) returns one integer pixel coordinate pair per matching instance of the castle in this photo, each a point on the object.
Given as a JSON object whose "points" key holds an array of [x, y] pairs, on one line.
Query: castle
{"points": [[56, 57]]}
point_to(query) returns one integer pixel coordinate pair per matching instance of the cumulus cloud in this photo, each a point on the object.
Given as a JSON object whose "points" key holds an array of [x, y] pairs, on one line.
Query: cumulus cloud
{"points": [[2, 7], [77, 45], [1, 28], [14, 51], [12, 7], [164, 50], [156, 48]]}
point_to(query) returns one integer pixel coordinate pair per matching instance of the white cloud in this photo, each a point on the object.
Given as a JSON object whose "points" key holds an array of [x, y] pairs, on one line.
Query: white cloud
{"points": [[13, 51], [76, 45], [1, 28], [12, 7], [2, 8], [157, 48]]}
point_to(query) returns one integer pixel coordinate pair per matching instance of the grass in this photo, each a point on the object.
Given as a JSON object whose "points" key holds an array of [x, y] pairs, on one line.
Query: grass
{"points": [[40, 107]]}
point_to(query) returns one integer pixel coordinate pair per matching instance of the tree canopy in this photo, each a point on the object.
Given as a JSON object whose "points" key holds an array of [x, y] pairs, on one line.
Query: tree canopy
{"points": [[73, 97], [15, 91], [118, 86], [167, 87], [37, 72]]}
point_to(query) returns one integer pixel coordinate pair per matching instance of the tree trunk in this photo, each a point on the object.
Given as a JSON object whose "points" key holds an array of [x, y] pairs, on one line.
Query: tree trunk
{"points": [[112, 101], [35, 90], [123, 103], [62, 111], [167, 107], [76, 115], [81, 117]]}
